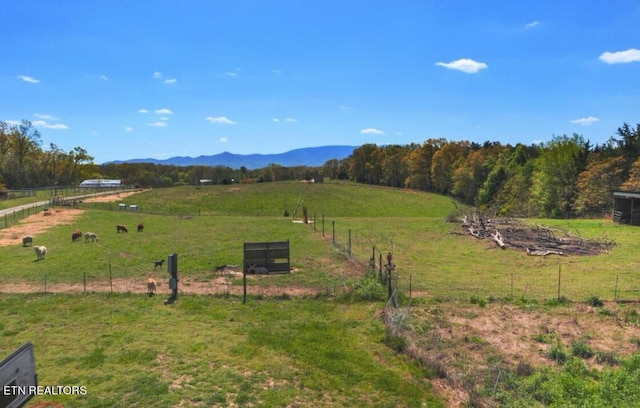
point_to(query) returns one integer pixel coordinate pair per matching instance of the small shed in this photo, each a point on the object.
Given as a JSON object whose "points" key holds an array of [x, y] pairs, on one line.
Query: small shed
{"points": [[626, 207], [266, 257]]}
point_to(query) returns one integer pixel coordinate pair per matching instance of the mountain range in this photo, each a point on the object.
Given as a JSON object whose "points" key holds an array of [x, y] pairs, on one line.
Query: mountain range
{"points": [[308, 156]]}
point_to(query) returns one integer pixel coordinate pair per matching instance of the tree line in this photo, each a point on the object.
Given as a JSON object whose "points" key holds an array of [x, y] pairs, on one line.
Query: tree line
{"points": [[565, 177]]}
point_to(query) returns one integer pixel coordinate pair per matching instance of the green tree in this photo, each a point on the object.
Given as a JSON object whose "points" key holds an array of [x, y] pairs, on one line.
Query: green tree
{"points": [[554, 188]]}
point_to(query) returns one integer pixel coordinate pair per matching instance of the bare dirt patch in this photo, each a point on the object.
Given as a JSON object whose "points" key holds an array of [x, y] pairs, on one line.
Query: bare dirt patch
{"points": [[466, 345], [213, 284], [38, 223]]}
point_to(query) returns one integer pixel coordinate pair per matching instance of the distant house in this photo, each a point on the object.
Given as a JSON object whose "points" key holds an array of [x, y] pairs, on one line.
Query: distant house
{"points": [[100, 183], [626, 207], [206, 181]]}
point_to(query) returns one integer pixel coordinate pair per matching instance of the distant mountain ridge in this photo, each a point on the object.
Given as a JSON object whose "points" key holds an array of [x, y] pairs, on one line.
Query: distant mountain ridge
{"points": [[308, 156]]}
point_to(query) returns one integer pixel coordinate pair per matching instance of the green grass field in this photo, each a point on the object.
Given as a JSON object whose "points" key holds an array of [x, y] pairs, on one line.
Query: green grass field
{"points": [[130, 350]]}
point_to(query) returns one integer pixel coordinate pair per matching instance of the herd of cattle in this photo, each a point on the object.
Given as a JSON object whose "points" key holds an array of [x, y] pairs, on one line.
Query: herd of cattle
{"points": [[41, 250]]}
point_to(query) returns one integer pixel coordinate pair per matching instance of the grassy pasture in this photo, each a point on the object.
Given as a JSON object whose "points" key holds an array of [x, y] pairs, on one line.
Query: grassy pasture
{"points": [[132, 351], [213, 351], [432, 253]]}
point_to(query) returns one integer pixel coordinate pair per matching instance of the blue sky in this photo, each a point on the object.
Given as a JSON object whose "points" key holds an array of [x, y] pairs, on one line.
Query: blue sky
{"points": [[139, 79]]}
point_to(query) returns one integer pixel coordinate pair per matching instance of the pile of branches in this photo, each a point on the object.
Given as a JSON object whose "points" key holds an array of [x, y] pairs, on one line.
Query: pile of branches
{"points": [[534, 240]]}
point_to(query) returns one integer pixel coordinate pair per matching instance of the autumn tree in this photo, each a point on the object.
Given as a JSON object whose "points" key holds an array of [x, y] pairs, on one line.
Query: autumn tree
{"points": [[597, 182], [419, 161], [445, 161]]}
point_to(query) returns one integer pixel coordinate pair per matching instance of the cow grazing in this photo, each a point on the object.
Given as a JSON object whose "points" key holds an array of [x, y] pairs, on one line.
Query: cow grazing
{"points": [[41, 251], [140, 227], [121, 228], [90, 237], [151, 287], [76, 235], [27, 240], [157, 264]]}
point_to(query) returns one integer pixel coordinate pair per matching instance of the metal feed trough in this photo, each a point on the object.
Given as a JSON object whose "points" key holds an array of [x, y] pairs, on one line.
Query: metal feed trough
{"points": [[266, 257]]}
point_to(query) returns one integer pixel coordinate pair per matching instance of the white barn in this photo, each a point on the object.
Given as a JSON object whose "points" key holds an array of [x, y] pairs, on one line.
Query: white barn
{"points": [[100, 183]]}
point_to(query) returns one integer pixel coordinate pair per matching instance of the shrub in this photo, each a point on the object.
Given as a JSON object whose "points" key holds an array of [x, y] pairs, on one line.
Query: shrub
{"points": [[595, 301], [557, 353], [367, 288], [579, 349], [477, 300]]}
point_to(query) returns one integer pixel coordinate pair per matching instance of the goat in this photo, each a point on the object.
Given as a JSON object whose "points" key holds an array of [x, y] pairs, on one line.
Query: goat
{"points": [[41, 251], [27, 240], [157, 264], [140, 227], [257, 269], [151, 287], [76, 235], [122, 228], [90, 236]]}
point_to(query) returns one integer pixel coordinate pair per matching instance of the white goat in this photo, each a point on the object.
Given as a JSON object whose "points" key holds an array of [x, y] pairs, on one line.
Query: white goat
{"points": [[41, 251]]}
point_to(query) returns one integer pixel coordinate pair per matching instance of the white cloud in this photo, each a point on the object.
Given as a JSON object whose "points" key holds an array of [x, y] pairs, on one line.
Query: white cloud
{"points": [[12, 122], [231, 74], [143, 110], [163, 111], [220, 119], [29, 79], [532, 24], [466, 65], [371, 131], [289, 120], [158, 124], [45, 117], [104, 77], [46, 125], [276, 120], [170, 81], [589, 120], [621, 57], [164, 118], [344, 108], [223, 139], [157, 75], [276, 71], [128, 129]]}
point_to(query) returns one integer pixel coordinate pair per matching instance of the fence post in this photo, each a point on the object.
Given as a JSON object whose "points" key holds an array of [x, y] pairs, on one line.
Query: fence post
{"points": [[333, 229], [349, 244], [559, 274]]}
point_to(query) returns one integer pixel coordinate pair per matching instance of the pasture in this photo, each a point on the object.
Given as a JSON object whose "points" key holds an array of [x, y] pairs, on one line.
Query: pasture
{"points": [[277, 349]]}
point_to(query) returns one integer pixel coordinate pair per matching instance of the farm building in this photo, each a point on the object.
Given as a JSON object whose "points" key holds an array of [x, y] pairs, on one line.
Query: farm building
{"points": [[100, 183], [626, 207]]}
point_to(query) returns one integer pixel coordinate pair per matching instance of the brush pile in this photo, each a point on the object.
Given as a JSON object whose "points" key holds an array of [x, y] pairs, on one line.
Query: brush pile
{"points": [[534, 240]]}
